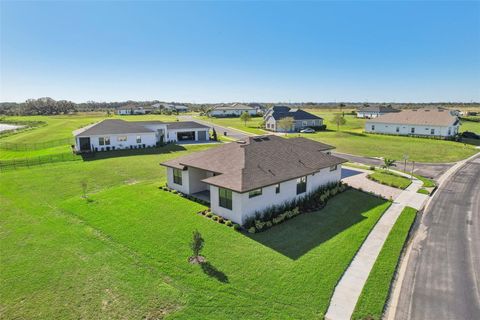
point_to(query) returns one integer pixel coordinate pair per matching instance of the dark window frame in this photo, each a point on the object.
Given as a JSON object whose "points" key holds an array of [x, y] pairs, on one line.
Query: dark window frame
{"points": [[225, 198], [302, 185], [255, 193], [277, 188], [177, 176]]}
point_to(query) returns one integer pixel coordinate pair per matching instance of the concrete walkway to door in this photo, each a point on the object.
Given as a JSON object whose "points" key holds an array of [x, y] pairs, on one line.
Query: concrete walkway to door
{"points": [[350, 286]]}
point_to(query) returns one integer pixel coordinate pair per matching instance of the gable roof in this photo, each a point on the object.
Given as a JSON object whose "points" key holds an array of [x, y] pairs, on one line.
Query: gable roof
{"points": [[112, 126], [257, 162], [297, 114], [424, 116], [380, 109]]}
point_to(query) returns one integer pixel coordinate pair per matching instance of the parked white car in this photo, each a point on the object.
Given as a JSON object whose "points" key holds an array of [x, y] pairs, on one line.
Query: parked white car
{"points": [[307, 130]]}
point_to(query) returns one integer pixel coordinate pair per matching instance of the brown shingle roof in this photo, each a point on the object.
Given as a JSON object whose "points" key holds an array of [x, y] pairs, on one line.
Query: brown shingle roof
{"points": [[431, 117], [258, 161], [112, 126]]}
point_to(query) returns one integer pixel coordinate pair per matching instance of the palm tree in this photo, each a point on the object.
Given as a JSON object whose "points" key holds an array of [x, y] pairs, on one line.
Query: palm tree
{"points": [[387, 163]]}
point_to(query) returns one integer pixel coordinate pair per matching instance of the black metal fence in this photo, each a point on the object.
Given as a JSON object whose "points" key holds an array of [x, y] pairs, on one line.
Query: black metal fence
{"points": [[19, 163], [35, 146]]}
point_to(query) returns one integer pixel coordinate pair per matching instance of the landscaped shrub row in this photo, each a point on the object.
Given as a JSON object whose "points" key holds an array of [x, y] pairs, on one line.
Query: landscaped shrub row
{"points": [[312, 201], [187, 196], [208, 214], [390, 179]]}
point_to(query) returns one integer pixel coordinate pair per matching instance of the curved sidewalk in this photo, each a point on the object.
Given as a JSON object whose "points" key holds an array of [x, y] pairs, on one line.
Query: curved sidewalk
{"points": [[350, 286]]}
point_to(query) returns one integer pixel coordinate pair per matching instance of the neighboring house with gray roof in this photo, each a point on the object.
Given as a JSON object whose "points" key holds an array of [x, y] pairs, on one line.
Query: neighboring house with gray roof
{"points": [[371, 112], [114, 134], [430, 122], [247, 176], [232, 110], [300, 119]]}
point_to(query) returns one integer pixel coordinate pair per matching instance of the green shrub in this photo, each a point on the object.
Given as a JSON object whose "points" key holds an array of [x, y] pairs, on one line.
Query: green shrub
{"points": [[215, 218], [237, 227], [259, 225], [229, 223], [252, 230], [221, 220], [175, 192], [209, 215]]}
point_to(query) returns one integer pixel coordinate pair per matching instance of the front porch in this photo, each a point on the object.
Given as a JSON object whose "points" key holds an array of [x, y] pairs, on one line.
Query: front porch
{"points": [[202, 195]]}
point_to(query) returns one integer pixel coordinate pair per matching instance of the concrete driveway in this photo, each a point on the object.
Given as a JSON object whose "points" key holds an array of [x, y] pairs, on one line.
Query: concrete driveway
{"points": [[357, 178]]}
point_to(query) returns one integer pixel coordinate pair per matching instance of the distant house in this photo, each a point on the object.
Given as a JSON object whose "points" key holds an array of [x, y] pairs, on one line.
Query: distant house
{"points": [[232, 110], [246, 176], [301, 119], [133, 111], [433, 122], [114, 134], [371, 112], [175, 108]]}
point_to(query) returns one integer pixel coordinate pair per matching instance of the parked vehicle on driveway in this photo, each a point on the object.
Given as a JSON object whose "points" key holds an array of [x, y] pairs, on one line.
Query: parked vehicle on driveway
{"points": [[307, 130]]}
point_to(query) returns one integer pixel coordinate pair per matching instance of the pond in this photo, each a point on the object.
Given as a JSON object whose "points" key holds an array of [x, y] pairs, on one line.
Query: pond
{"points": [[6, 127]]}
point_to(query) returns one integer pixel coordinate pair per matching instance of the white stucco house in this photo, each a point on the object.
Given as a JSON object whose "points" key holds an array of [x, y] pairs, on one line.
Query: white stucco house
{"points": [[430, 122], [114, 134], [232, 110], [247, 176], [371, 112], [132, 111], [301, 119]]}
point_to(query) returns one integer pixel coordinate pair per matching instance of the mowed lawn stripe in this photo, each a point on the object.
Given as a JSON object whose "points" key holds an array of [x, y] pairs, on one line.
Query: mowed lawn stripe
{"points": [[292, 267]]}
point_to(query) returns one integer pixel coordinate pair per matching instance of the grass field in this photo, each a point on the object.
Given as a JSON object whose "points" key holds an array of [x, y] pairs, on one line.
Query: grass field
{"points": [[252, 126], [124, 255], [375, 292], [390, 179]]}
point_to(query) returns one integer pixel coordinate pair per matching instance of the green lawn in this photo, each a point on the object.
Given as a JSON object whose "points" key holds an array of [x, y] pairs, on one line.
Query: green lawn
{"points": [[471, 126], [252, 126], [390, 179], [375, 292], [124, 255]]}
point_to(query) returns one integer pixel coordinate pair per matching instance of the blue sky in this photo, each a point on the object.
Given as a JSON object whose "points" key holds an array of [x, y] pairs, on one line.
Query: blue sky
{"points": [[241, 51]]}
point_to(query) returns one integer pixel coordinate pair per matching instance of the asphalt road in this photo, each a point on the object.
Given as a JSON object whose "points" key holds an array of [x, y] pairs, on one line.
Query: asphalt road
{"points": [[231, 133], [429, 170], [442, 279]]}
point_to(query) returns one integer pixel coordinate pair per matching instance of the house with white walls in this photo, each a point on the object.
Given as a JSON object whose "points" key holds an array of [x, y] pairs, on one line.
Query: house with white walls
{"points": [[300, 119], [249, 175], [423, 122], [232, 110], [370, 112], [115, 134]]}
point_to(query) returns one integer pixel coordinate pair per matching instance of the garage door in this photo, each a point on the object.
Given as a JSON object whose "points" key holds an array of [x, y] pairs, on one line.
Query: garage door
{"points": [[202, 135], [186, 136]]}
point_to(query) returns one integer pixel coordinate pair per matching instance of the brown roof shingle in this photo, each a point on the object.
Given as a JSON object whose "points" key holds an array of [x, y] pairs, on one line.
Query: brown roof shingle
{"points": [[431, 117], [259, 161]]}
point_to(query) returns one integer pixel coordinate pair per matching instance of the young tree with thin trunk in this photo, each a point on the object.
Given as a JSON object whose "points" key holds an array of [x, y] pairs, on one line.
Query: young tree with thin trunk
{"points": [[196, 245], [339, 120], [245, 117], [286, 124], [387, 163]]}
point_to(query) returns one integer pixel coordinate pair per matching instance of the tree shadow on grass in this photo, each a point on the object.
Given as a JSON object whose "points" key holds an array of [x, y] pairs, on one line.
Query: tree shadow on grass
{"points": [[131, 152], [213, 272], [297, 236]]}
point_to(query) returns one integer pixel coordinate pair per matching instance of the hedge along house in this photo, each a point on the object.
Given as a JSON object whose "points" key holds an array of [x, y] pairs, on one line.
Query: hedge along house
{"points": [[114, 134], [427, 122], [301, 119], [247, 176]]}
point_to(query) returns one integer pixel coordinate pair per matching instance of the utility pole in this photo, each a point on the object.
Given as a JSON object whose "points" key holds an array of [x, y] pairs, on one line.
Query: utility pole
{"points": [[413, 168]]}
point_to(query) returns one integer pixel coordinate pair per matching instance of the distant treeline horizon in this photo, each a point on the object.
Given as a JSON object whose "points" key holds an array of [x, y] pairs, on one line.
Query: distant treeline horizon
{"points": [[49, 106]]}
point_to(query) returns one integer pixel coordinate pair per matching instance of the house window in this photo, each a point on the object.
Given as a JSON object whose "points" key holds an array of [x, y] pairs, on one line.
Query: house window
{"points": [[139, 139], [432, 131], [255, 193], [304, 123], [301, 185], [333, 168], [412, 130], [373, 127], [449, 131], [104, 141], [225, 198], [121, 138], [398, 129], [277, 188], [177, 176]]}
